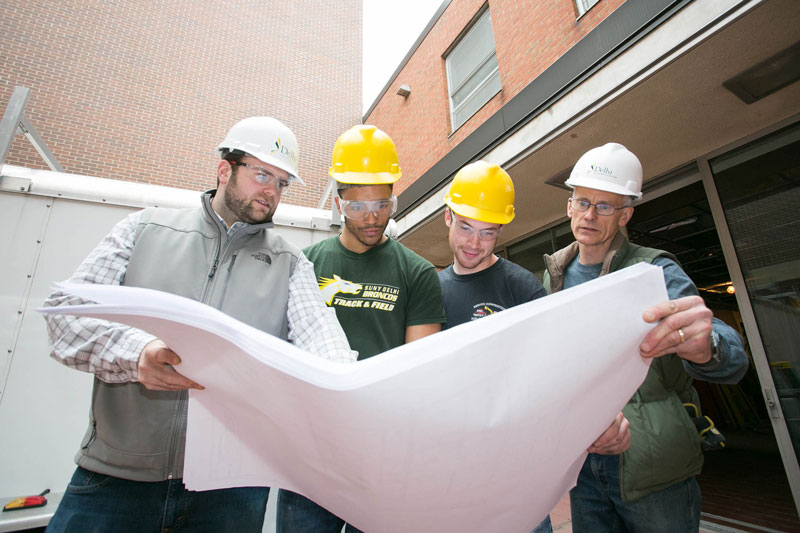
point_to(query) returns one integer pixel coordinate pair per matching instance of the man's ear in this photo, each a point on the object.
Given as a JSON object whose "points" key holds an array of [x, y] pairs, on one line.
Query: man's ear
{"points": [[448, 218], [626, 216], [336, 200], [224, 170], [569, 208]]}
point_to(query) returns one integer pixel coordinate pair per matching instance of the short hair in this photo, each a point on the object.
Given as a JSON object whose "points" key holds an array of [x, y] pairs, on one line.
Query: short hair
{"points": [[234, 156], [231, 156]]}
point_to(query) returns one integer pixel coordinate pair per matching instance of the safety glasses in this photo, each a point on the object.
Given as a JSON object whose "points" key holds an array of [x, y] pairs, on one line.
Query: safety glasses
{"points": [[359, 210], [263, 176]]}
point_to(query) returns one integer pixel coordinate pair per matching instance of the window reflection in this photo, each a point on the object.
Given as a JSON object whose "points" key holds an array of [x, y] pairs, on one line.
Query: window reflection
{"points": [[759, 187]]}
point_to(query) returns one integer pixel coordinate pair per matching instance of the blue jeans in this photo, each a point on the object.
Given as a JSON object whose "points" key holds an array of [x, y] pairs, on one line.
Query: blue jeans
{"points": [[298, 514], [596, 503], [544, 527], [96, 502]]}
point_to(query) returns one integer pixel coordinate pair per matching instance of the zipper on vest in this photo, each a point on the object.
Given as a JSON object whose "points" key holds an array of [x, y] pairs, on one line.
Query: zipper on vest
{"points": [[221, 234], [222, 237], [177, 428], [225, 286], [222, 253]]}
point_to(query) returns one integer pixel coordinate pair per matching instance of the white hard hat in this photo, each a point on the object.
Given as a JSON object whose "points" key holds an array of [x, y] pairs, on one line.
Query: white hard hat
{"points": [[610, 168], [267, 139]]}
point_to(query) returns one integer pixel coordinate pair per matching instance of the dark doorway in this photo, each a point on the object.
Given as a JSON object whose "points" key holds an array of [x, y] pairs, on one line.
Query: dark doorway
{"points": [[744, 483]]}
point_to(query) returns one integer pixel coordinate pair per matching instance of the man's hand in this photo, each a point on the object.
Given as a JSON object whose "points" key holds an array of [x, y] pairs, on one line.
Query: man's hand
{"points": [[685, 329], [615, 440], [156, 370]]}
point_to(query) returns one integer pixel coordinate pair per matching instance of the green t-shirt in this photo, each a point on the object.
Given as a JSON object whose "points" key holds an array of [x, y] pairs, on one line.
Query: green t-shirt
{"points": [[377, 294]]}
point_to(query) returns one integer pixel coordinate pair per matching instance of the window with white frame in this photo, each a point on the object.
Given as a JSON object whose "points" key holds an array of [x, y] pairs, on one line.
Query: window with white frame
{"points": [[472, 74], [585, 5]]}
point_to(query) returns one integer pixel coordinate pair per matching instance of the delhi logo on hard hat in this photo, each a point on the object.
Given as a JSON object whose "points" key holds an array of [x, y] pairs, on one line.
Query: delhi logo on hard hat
{"points": [[601, 170], [283, 150]]}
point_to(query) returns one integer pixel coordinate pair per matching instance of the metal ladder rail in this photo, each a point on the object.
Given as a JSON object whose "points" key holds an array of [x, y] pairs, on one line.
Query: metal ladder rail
{"points": [[14, 122]]}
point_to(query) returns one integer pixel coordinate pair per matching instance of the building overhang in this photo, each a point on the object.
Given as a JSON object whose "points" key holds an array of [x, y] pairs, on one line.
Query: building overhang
{"points": [[650, 76]]}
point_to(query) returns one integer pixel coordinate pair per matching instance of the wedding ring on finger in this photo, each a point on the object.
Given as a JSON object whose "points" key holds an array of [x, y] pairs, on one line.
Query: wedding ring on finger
{"points": [[680, 333]]}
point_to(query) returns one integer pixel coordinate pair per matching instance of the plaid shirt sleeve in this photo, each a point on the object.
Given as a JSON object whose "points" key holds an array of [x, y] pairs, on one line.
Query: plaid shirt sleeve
{"points": [[108, 350], [312, 324]]}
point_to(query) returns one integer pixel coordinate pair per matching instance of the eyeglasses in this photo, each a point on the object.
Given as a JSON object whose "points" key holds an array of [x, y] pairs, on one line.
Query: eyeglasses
{"points": [[603, 209], [358, 210], [467, 231], [264, 176]]}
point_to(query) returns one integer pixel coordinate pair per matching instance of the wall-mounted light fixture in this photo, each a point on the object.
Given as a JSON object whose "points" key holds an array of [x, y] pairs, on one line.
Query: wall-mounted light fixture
{"points": [[404, 90], [767, 77]]}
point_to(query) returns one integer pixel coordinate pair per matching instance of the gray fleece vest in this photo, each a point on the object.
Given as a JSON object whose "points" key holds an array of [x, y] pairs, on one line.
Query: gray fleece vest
{"points": [[138, 434]]}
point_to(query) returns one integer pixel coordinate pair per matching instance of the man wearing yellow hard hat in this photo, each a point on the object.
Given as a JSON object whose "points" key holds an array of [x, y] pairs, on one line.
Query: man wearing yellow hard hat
{"points": [[480, 201], [384, 294]]}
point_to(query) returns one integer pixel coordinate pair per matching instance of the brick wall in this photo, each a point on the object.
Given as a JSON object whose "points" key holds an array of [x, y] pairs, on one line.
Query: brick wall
{"points": [[529, 36], [144, 91]]}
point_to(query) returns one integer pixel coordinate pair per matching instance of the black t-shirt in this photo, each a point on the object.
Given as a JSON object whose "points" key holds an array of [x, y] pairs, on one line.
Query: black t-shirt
{"points": [[472, 296]]}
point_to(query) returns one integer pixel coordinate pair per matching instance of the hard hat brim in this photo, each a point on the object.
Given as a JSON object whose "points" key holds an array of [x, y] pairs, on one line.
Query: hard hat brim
{"points": [[479, 214], [365, 178], [592, 183]]}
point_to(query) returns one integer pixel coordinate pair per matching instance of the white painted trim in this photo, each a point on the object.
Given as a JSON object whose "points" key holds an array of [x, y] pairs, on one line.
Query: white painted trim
{"points": [[685, 30], [132, 194]]}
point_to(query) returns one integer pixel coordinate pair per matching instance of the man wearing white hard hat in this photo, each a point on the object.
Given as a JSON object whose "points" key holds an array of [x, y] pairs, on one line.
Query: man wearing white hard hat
{"points": [[651, 486], [223, 253]]}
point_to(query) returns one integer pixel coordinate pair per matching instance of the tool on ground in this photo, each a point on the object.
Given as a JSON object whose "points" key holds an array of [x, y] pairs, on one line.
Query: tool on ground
{"points": [[26, 502]]}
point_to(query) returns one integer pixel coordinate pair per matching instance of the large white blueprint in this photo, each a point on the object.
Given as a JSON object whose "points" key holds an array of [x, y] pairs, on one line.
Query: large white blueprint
{"points": [[482, 427]]}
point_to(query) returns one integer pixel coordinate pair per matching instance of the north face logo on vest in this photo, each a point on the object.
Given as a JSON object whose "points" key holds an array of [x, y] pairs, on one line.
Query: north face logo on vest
{"points": [[261, 256]]}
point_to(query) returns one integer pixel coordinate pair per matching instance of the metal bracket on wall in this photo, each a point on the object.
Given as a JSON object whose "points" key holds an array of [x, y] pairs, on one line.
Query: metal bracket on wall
{"points": [[14, 122], [12, 184], [336, 219]]}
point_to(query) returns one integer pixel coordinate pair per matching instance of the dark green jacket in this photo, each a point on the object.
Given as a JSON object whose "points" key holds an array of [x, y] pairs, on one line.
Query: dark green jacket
{"points": [[665, 446]]}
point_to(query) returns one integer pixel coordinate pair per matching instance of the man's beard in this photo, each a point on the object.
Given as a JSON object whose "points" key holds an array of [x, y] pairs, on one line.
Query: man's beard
{"points": [[353, 229], [242, 207]]}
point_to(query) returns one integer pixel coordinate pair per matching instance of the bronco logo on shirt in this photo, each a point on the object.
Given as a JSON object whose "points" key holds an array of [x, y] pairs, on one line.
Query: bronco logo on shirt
{"points": [[331, 287], [379, 297]]}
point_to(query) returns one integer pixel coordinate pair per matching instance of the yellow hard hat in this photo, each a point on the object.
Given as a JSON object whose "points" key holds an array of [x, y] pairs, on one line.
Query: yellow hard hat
{"points": [[365, 155], [482, 191]]}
